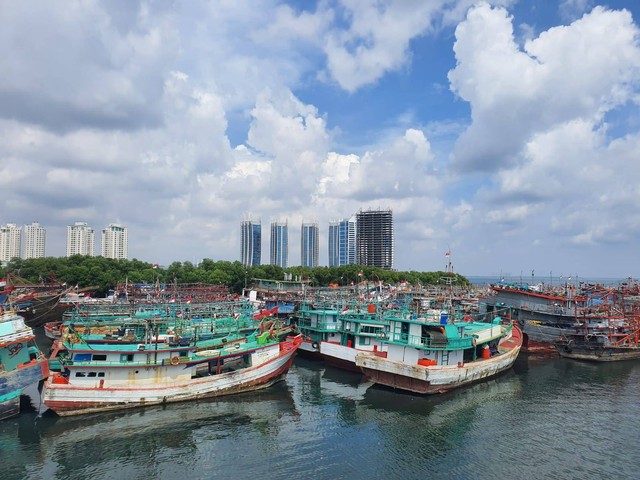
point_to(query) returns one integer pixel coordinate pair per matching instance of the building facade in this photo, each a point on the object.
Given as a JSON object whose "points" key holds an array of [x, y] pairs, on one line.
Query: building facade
{"points": [[309, 245], [10, 238], [115, 242], [250, 243], [33, 241], [279, 247], [342, 242], [80, 240], [374, 238]]}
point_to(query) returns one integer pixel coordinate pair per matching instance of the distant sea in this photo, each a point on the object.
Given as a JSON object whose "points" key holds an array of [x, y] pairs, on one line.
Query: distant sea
{"points": [[547, 280]]}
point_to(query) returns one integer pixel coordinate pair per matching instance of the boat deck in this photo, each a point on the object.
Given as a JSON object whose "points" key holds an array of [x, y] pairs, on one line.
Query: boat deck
{"points": [[515, 340]]}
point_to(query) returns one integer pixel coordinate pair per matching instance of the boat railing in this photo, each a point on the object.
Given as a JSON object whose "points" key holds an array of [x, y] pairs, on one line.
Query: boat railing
{"points": [[430, 343], [148, 362]]}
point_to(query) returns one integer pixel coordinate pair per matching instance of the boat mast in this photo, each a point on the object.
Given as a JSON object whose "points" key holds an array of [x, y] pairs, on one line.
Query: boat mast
{"points": [[448, 280]]}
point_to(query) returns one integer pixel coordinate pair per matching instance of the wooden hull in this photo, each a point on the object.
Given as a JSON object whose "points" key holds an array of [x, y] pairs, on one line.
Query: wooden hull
{"points": [[597, 353], [13, 383], [10, 407], [66, 399], [436, 378]]}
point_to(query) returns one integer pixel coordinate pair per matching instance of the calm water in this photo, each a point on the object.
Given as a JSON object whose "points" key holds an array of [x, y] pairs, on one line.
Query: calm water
{"points": [[547, 418]]}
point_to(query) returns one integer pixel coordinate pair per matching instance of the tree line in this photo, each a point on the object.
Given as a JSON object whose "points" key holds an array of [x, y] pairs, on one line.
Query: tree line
{"points": [[104, 274]]}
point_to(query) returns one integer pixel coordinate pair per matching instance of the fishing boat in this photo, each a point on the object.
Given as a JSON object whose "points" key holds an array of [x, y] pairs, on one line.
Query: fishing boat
{"points": [[21, 363], [37, 303], [316, 323], [360, 328], [102, 377], [543, 314], [602, 337], [428, 356]]}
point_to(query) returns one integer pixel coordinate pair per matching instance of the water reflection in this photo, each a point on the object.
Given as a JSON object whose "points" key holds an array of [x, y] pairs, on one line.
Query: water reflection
{"points": [[136, 441], [545, 418]]}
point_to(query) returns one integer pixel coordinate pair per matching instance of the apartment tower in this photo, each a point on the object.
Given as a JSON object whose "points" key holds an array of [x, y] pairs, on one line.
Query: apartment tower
{"points": [[33, 241], [279, 248], [80, 240], [309, 247], [374, 238], [342, 242], [115, 242], [250, 243], [10, 237]]}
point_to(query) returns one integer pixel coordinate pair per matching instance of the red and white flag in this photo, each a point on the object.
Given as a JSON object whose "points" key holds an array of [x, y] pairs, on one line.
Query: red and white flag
{"points": [[447, 254], [3, 282]]}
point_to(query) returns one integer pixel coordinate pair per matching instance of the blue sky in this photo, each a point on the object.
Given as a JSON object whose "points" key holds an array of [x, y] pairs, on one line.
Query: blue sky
{"points": [[507, 132]]}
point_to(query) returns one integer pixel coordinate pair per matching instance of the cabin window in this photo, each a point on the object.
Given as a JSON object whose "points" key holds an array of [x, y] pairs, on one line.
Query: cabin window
{"points": [[370, 329], [126, 357], [99, 357], [183, 354], [365, 341], [92, 374], [100, 374], [81, 374], [82, 357]]}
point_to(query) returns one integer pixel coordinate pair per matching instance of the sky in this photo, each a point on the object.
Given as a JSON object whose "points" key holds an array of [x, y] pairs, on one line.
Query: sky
{"points": [[505, 132]]}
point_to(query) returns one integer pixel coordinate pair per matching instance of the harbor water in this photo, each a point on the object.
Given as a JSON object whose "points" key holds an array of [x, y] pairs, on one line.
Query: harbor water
{"points": [[545, 418]]}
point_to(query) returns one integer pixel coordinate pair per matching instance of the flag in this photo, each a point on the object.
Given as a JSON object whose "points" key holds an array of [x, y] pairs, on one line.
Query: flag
{"points": [[155, 265], [359, 274], [3, 282], [447, 254]]}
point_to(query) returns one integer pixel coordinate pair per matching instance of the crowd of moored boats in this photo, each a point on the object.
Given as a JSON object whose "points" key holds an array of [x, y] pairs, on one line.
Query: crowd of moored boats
{"points": [[201, 341]]}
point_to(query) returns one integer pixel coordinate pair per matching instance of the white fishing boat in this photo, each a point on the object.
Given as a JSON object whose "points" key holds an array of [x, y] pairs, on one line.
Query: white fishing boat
{"points": [[102, 377], [359, 329], [425, 356]]}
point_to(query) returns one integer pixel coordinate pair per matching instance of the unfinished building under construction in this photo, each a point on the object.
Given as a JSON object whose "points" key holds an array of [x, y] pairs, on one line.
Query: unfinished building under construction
{"points": [[374, 238]]}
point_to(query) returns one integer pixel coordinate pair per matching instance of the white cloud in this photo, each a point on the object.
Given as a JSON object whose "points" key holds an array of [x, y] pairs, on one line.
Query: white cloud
{"points": [[568, 73], [378, 33], [177, 121]]}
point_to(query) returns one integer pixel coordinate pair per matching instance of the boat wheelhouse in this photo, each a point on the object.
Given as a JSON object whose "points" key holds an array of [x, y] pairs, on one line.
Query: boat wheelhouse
{"points": [[360, 328]]}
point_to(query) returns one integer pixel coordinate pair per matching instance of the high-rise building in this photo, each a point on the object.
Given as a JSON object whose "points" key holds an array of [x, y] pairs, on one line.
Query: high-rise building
{"points": [[33, 241], [374, 238], [342, 242], [80, 240], [334, 243], [309, 240], [115, 242], [250, 243], [10, 236], [279, 248]]}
